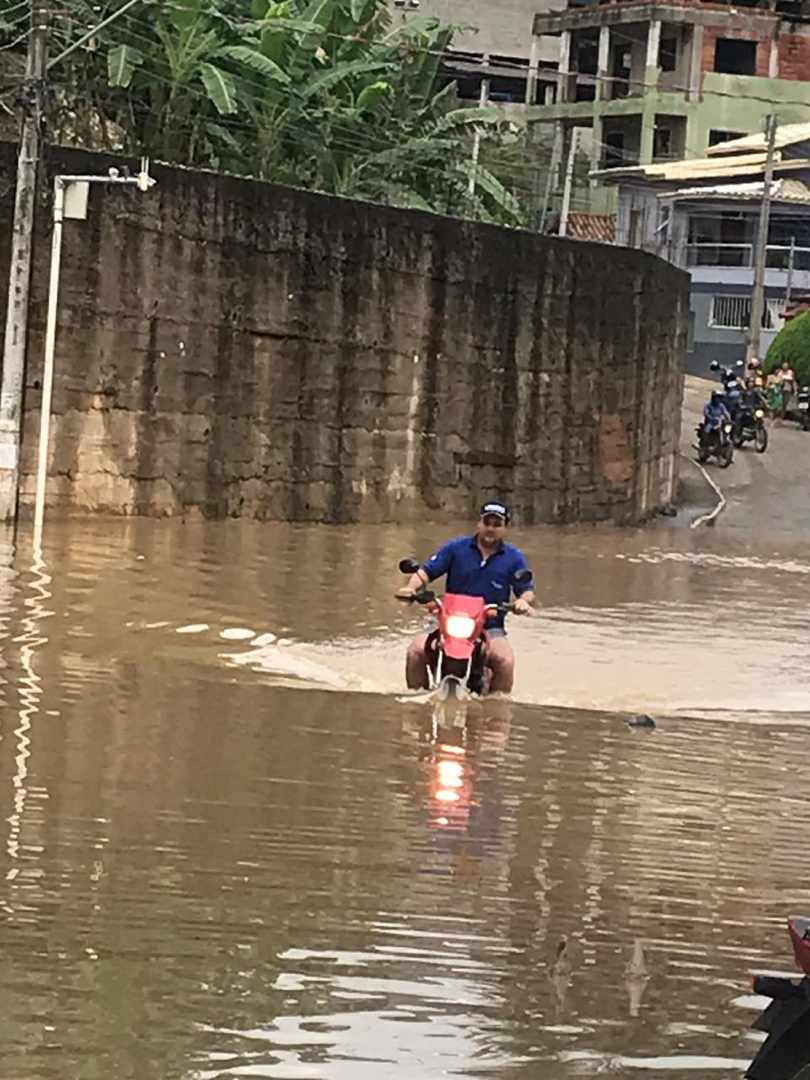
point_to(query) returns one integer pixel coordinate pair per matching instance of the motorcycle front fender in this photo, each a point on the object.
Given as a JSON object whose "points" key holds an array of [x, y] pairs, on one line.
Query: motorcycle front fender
{"points": [[787, 1047], [458, 648]]}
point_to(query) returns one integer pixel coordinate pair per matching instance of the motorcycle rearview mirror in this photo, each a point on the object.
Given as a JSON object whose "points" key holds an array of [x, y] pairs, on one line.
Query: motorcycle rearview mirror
{"points": [[408, 566], [714, 365], [523, 575]]}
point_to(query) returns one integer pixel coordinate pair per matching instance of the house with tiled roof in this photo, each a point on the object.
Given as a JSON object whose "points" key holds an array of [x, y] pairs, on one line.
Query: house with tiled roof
{"points": [[702, 214]]}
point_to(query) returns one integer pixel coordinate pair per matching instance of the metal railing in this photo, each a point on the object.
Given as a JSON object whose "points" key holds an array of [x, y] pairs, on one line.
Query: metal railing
{"points": [[742, 255]]}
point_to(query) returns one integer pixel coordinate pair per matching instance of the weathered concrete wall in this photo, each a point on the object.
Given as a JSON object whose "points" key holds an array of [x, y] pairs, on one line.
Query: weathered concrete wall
{"points": [[231, 347]]}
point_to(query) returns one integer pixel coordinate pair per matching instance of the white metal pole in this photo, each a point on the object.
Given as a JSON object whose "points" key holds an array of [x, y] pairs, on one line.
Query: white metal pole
{"points": [[483, 99], [19, 278], [47, 373], [791, 264], [569, 176]]}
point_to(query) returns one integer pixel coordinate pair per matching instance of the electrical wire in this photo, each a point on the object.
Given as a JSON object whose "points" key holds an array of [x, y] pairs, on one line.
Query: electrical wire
{"points": [[517, 65], [349, 139], [515, 168]]}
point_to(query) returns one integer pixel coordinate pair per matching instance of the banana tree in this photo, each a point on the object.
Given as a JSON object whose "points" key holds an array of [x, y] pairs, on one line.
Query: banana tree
{"points": [[326, 94]]}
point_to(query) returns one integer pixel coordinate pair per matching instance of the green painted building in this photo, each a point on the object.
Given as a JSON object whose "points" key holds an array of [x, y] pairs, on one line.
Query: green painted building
{"points": [[648, 82]]}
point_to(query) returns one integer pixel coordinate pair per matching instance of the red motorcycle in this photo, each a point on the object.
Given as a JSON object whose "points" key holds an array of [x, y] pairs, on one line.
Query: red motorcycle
{"points": [[785, 1054], [457, 648]]}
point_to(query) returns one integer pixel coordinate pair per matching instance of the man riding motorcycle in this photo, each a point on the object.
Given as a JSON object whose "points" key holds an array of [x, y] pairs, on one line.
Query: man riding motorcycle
{"points": [[481, 565], [715, 413]]}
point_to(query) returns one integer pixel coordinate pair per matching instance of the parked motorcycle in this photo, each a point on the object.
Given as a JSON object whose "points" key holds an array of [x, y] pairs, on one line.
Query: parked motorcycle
{"points": [[715, 444], [803, 408], [749, 426], [785, 1054], [457, 648]]}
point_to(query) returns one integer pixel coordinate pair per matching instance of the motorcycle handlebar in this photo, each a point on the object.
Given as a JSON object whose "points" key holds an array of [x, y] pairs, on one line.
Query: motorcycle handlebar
{"points": [[427, 597], [424, 597]]}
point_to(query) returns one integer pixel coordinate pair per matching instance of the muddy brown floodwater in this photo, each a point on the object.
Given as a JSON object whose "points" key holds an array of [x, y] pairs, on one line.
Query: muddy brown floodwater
{"points": [[230, 850]]}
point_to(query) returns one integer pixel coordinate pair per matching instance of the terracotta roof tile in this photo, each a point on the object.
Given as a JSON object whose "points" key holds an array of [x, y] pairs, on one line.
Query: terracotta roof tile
{"points": [[599, 227]]}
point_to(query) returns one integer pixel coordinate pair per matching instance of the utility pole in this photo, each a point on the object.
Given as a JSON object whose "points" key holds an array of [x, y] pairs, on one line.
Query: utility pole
{"points": [[569, 177], [758, 294], [19, 278]]}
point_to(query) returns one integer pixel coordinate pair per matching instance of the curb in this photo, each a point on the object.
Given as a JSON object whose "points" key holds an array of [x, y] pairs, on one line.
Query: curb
{"points": [[707, 519]]}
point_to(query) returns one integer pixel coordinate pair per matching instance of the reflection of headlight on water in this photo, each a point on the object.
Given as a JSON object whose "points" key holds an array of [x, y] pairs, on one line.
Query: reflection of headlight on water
{"points": [[460, 626], [447, 796], [450, 774]]}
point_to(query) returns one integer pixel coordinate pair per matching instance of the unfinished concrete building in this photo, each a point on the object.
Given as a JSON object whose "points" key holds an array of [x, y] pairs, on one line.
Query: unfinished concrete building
{"points": [[489, 57], [656, 81]]}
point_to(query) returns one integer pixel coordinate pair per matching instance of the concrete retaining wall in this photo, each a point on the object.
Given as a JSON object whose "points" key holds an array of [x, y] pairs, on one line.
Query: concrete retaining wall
{"points": [[229, 347]]}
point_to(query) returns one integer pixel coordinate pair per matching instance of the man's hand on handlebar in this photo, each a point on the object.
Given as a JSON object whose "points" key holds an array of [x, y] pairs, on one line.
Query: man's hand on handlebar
{"points": [[521, 606]]}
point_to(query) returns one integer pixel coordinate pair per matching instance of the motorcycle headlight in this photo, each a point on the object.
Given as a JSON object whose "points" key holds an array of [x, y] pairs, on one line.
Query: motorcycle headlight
{"points": [[759, 414], [460, 626], [727, 429]]}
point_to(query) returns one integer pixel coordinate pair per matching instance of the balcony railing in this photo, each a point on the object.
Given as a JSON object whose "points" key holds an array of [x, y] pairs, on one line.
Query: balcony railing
{"points": [[742, 256]]}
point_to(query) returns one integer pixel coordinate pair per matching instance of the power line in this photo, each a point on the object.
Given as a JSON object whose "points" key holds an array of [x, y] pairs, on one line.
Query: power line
{"points": [[361, 39], [349, 137], [251, 79]]}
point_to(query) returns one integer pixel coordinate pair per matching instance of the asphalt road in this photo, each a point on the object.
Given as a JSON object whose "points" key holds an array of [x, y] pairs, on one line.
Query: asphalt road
{"points": [[765, 492]]}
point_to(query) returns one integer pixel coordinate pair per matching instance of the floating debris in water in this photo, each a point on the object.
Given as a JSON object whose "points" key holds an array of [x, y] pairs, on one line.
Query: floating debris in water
{"points": [[193, 628], [643, 720], [237, 633]]}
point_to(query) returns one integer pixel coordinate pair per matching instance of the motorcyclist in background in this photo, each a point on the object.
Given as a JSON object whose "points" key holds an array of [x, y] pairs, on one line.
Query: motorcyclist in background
{"points": [[754, 371], [733, 397], [753, 396], [715, 413]]}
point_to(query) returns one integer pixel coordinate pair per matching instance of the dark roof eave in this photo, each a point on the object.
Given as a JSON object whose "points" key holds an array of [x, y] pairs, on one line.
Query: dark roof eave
{"points": [[555, 22]]}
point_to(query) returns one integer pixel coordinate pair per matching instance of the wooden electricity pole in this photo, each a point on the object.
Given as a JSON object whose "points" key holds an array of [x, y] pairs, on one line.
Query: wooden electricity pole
{"points": [[758, 294]]}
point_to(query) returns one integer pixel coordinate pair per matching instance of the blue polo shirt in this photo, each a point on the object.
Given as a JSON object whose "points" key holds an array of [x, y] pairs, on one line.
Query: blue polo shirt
{"points": [[470, 574]]}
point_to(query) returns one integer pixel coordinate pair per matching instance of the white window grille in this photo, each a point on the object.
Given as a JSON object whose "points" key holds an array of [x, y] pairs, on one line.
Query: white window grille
{"points": [[774, 318], [734, 313]]}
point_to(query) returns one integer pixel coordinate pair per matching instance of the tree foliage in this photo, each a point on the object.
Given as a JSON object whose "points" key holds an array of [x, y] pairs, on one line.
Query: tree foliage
{"points": [[323, 94], [792, 343]]}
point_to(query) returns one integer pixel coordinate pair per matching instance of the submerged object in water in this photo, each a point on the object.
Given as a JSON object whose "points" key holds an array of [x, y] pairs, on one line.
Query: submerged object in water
{"points": [[643, 720]]}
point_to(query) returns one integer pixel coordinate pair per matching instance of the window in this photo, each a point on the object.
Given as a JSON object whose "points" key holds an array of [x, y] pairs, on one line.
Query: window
{"points": [[614, 150], [507, 82], [735, 57], [734, 313], [716, 137], [662, 143], [668, 54]]}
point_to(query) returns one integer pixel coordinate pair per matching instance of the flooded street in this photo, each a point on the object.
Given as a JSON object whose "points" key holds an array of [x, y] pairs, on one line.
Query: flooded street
{"points": [[228, 845]]}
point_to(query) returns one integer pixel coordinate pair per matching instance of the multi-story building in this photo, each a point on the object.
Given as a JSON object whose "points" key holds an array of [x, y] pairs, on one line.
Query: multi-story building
{"points": [[493, 43], [656, 80], [703, 215]]}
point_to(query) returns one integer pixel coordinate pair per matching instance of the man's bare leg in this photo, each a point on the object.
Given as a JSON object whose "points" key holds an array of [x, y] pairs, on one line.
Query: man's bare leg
{"points": [[416, 668], [501, 661]]}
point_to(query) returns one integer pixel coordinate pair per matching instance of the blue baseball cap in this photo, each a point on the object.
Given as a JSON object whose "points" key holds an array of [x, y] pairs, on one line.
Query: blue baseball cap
{"points": [[498, 508]]}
